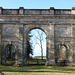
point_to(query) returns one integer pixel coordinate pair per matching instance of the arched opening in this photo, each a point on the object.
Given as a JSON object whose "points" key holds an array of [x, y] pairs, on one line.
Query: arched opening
{"points": [[62, 52], [37, 40], [10, 54], [62, 55]]}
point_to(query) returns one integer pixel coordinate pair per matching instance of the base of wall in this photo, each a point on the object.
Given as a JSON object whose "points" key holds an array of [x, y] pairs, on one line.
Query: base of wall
{"points": [[71, 64], [50, 62]]}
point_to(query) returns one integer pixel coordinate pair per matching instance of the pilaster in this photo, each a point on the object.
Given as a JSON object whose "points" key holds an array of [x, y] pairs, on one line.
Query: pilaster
{"points": [[1, 10], [50, 47], [21, 10], [51, 10], [24, 47]]}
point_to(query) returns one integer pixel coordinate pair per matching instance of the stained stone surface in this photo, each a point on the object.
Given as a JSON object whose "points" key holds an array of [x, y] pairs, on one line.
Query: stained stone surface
{"points": [[58, 24]]}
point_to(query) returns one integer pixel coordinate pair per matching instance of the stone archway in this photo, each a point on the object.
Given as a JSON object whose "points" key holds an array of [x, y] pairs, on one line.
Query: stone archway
{"points": [[37, 27], [68, 53], [59, 26], [39, 51], [10, 54], [48, 29]]}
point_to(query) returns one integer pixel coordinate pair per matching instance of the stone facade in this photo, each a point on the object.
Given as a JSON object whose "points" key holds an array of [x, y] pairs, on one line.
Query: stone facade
{"points": [[58, 24]]}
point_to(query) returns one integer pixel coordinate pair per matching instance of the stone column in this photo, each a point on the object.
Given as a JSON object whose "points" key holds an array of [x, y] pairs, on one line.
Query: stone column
{"points": [[0, 43], [24, 52], [16, 55], [3, 56], [0, 53], [24, 46], [47, 50], [70, 52], [50, 46], [72, 46]]}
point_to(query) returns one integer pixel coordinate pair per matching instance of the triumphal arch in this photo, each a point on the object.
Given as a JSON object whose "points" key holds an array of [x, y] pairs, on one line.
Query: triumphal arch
{"points": [[58, 24]]}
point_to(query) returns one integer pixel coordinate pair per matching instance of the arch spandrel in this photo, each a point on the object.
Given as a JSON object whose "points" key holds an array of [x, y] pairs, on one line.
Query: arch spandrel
{"points": [[44, 28]]}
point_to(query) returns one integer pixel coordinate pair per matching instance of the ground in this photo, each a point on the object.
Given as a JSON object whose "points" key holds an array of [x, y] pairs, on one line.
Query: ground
{"points": [[37, 70]]}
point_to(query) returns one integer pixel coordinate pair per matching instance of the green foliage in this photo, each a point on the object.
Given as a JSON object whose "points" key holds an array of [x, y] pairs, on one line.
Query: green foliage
{"points": [[36, 61], [29, 46], [10, 62], [10, 54]]}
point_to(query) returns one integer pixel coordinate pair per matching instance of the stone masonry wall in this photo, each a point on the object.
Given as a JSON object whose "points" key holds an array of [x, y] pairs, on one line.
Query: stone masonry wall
{"points": [[58, 24]]}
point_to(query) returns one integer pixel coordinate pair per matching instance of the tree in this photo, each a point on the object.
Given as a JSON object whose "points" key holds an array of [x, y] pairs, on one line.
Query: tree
{"points": [[39, 40], [29, 46]]}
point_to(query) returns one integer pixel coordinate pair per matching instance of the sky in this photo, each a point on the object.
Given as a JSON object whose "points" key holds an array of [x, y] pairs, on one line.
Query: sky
{"points": [[35, 42], [37, 4]]}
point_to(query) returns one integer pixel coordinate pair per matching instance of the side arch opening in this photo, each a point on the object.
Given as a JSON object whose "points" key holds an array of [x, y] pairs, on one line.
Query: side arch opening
{"points": [[10, 51], [62, 55]]}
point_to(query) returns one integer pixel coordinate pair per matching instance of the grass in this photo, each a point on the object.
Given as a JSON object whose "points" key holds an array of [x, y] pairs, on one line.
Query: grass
{"points": [[37, 70], [36, 73], [36, 61]]}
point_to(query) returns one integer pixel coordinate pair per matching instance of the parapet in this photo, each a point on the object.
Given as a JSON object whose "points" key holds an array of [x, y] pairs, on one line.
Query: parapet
{"points": [[22, 11]]}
